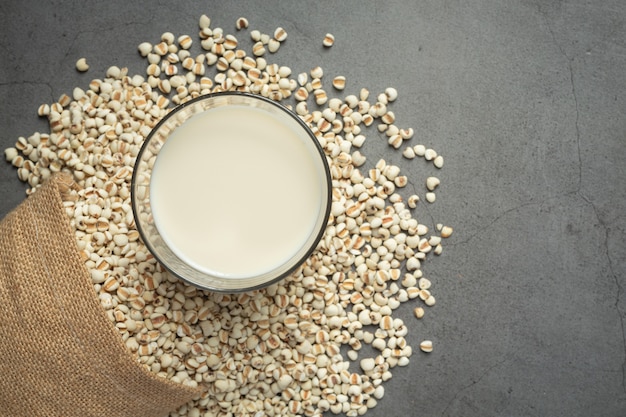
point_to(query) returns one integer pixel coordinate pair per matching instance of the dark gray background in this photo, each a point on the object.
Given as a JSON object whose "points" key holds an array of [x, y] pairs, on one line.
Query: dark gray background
{"points": [[526, 102]]}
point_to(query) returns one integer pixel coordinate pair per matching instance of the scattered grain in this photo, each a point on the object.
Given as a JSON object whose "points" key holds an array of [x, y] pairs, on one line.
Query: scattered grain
{"points": [[339, 82], [242, 23], [81, 65], [426, 346], [329, 40]]}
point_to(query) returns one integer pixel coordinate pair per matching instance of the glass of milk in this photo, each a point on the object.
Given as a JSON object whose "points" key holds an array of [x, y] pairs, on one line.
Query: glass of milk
{"points": [[231, 192]]}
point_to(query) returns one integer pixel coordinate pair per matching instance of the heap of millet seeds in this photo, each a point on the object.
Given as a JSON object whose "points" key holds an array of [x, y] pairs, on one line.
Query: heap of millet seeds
{"points": [[285, 350]]}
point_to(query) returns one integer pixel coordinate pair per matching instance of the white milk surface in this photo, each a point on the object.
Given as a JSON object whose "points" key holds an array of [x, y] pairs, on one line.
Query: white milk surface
{"points": [[235, 192]]}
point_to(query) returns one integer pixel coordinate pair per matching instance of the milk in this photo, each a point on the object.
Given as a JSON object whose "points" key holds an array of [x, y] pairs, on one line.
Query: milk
{"points": [[236, 190]]}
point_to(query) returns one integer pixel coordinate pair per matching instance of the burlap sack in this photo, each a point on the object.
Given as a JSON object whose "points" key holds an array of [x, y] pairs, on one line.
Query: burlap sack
{"points": [[59, 353]]}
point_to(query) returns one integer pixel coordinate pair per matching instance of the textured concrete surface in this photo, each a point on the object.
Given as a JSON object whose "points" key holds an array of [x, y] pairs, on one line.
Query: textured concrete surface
{"points": [[526, 102]]}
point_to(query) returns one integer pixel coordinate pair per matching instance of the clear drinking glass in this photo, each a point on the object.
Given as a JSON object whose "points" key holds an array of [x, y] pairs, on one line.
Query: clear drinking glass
{"points": [[141, 192]]}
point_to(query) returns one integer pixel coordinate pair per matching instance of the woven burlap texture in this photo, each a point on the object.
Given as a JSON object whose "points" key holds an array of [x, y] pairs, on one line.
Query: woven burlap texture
{"points": [[59, 353]]}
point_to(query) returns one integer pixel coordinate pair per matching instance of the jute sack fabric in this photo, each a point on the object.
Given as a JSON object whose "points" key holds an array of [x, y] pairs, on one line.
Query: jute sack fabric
{"points": [[59, 353]]}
